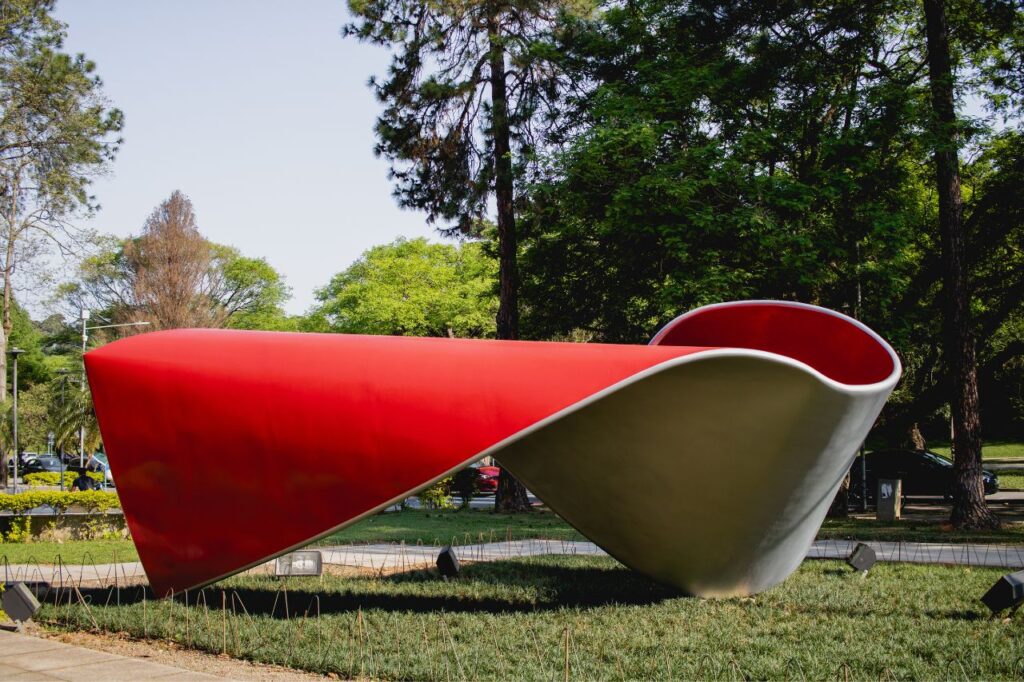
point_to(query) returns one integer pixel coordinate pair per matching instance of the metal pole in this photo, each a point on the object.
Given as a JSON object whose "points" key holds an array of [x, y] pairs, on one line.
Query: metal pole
{"points": [[49, 451]]}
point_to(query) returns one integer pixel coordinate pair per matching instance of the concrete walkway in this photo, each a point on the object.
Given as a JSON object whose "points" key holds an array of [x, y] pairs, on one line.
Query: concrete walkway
{"points": [[30, 658], [392, 557]]}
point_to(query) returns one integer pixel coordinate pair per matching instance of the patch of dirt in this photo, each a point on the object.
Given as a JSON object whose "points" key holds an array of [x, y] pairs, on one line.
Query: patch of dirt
{"points": [[170, 653]]}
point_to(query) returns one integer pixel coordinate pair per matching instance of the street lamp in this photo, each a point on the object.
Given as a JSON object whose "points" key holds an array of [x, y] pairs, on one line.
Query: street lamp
{"points": [[85, 337], [14, 353]]}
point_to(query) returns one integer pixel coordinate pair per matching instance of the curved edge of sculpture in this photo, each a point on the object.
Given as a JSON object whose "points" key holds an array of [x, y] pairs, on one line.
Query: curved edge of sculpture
{"points": [[749, 446], [628, 443]]}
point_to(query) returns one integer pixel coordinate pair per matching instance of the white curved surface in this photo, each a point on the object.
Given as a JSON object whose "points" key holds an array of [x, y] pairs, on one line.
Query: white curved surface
{"points": [[711, 472]]}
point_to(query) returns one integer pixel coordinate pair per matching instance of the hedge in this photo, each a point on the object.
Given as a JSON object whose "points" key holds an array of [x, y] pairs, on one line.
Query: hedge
{"points": [[53, 478], [59, 501]]}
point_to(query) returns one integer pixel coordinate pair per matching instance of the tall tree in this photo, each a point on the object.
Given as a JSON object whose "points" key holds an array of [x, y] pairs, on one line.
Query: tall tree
{"points": [[172, 277], [969, 509], [468, 81], [56, 132]]}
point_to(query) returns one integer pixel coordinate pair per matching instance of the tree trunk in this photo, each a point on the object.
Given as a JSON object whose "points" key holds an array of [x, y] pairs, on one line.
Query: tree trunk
{"points": [[969, 509], [840, 508], [511, 494]]}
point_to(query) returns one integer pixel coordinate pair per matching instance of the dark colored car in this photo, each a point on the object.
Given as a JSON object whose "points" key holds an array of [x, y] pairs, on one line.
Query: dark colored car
{"points": [[41, 463], [924, 473]]}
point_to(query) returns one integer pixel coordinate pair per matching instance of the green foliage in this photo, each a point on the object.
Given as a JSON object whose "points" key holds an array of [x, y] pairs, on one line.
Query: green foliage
{"points": [[60, 501], [20, 530], [754, 150], [32, 364], [53, 478], [414, 288], [438, 496], [724, 154]]}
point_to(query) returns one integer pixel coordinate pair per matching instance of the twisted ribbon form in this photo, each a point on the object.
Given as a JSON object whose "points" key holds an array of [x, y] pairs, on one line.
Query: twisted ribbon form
{"points": [[706, 460]]}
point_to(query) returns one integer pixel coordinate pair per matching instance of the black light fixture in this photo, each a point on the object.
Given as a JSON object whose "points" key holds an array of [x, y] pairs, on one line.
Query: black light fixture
{"points": [[1007, 593], [448, 563], [862, 558]]}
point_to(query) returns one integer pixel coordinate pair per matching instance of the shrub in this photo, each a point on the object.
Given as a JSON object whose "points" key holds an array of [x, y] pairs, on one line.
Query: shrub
{"points": [[60, 500], [438, 496], [92, 501], [53, 478]]}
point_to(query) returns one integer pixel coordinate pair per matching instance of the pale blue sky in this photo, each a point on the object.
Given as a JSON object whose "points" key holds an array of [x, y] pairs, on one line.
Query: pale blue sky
{"points": [[260, 113]]}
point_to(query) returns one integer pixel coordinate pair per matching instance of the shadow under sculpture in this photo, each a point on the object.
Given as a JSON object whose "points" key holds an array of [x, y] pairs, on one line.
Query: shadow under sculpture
{"points": [[706, 459]]}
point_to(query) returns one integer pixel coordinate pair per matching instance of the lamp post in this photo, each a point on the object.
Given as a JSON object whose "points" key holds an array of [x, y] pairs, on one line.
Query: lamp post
{"points": [[15, 352], [85, 337], [49, 451]]}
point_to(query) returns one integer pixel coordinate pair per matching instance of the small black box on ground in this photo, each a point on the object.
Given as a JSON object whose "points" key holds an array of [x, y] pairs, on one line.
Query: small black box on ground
{"points": [[862, 558], [448, 563], [1006, 593]]}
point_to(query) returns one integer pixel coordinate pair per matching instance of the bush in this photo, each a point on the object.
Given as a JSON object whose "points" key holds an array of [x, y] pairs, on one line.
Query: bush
{"points": [[59, 501], [438, 496], [92, 501], [53, 478]]}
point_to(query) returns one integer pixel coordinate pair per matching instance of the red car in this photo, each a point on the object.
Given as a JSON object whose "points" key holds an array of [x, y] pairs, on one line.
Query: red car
{"points": [[488, 483]]}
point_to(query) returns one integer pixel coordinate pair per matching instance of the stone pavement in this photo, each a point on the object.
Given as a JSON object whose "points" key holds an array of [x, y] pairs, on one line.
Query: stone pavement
{"points": [[30, 658]]}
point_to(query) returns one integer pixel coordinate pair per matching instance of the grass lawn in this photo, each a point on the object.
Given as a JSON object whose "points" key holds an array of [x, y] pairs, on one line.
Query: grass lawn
{"points": [[588, 618], [916, 531], [1011, 480], [993, 450], [414, 526], [70, 552]]}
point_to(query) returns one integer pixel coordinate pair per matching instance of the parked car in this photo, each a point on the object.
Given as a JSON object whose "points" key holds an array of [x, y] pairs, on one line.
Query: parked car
{"points": [[39, 464], [924, 473], [488, 484], [99, 462]]}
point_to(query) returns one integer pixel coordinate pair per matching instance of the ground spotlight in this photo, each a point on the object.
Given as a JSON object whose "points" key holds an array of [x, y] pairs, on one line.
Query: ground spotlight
{"points": [[862, 558], [19, 603], [304, 562], [448, 563], [1007, 593]]}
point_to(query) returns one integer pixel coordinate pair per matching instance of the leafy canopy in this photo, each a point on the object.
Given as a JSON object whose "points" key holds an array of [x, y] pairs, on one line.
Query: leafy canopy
{"points": [[412, 288]]}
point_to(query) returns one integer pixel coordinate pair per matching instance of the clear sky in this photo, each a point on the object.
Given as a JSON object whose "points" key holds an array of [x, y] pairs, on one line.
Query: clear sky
{"points": [[260, 113]]}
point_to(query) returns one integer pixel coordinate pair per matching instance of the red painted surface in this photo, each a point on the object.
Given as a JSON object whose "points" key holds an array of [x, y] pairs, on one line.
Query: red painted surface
{"points": [[230, 447], [826, 342]]}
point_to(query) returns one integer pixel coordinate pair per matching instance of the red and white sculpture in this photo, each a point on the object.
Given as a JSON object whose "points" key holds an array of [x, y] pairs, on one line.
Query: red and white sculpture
{"points": [[706, 460]]}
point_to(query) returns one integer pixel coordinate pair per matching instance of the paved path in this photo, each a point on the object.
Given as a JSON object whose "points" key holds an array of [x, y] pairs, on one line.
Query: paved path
{"points": [[30, 658], [392, 557]]}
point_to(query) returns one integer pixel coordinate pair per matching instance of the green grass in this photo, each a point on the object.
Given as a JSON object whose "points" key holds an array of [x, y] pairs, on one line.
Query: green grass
{"points": [[70, 552], [414, 526], [916, 531], [1011, 480], [588, 618], [994, 450]]}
